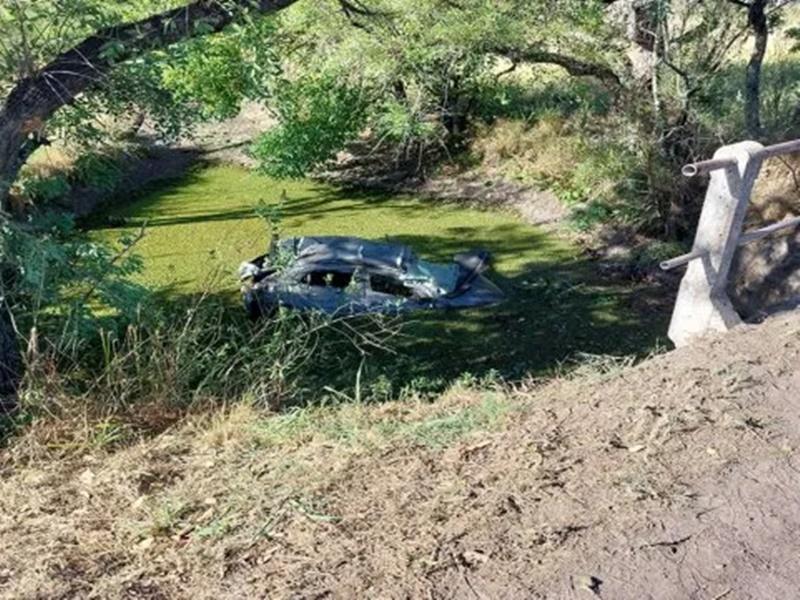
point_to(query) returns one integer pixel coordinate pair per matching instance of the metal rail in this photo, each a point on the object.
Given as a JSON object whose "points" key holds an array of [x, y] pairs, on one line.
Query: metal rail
{"points": [[758, 234], [683, 259], [746, 238], [706, 166], [778, 149]]}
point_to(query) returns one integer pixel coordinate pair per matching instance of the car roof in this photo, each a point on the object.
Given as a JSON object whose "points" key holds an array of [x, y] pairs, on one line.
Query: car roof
{"points": [[346, 250]]}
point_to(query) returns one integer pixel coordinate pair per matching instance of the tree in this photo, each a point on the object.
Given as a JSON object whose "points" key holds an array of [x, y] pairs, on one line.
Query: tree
{"points": [[421, 74], [757, 21], [35, 93], [40, 93]]}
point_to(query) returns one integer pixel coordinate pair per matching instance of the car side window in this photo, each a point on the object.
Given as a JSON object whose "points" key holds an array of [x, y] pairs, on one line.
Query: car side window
{"points": [[386, 284], [334, 279]]}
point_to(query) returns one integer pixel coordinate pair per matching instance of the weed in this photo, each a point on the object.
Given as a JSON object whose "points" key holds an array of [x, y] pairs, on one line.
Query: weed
{"points": [[217, 528], [596, 366], [443, 429], [167, 517], [109, 432]]}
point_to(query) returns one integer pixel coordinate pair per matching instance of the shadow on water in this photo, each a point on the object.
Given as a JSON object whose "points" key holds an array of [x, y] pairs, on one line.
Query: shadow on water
{"points": [[556, 307]]}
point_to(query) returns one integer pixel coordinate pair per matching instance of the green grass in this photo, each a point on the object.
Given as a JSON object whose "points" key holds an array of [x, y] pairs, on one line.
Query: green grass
{"points": [[204, 224], [355, 425]]}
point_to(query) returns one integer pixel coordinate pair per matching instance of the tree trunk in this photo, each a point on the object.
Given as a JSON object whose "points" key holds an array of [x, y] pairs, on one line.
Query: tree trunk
{"points": [[13, 147], [10, 363], [573, 66], [638, 19], [757, 19]]}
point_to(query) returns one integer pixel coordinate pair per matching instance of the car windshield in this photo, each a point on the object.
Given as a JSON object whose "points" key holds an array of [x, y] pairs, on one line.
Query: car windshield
{"points": [[441, 277]]}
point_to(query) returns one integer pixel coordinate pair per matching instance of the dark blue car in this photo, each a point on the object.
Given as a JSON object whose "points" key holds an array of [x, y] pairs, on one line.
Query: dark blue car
{"points": [[348, 275]]}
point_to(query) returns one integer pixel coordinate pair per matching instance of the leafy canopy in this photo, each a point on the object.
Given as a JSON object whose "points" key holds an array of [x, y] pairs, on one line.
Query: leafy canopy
{"points": [[418, 70]]}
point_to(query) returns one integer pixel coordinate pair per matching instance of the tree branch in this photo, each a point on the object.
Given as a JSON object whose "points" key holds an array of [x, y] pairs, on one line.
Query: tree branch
{"points": [[75, 69], [38, 95], [572, 65]]}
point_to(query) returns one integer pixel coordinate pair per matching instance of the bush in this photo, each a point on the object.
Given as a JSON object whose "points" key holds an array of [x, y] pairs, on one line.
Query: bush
{"points": [[97, 170], [100, 170], [522, 99], [45, 189], [317, 117]]}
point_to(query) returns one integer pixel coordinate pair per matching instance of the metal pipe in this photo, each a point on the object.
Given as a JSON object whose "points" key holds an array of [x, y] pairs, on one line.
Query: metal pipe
{"points": [[705, 166], [778, 149], [757, 234], [683, 259]]}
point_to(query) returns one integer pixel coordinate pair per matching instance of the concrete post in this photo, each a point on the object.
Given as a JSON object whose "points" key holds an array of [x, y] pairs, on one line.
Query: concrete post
{"points": [[703, 305]]}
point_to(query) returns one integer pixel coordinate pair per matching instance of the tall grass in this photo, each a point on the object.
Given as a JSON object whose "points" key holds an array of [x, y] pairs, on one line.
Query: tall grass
{"points": [[130, 377]]}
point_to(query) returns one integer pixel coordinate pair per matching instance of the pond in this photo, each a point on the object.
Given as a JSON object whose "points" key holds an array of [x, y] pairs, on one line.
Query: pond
{"points": [[202, 226]]}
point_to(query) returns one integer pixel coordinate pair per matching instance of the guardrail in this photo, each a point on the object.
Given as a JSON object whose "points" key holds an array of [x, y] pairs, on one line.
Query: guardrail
{"points": [[703, 305]]}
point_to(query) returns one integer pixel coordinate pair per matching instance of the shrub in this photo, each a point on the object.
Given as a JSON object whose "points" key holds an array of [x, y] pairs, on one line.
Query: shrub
{"points": [[45, 189], [97, 170], [317, 117]]}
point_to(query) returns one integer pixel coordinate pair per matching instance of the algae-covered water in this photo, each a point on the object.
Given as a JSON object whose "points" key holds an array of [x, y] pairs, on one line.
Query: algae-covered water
{"points": [[200, 227]]}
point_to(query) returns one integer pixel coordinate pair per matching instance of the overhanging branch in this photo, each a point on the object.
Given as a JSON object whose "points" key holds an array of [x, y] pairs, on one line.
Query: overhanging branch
{"points": [[573, 66], [80, 67]]}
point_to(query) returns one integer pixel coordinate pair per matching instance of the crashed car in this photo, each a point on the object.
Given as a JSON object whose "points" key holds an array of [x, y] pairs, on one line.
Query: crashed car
{"points": [[348, 275]]}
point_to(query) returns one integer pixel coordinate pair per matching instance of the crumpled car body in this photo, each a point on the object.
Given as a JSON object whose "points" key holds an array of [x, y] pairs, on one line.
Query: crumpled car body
{"points": [[349, 275]]}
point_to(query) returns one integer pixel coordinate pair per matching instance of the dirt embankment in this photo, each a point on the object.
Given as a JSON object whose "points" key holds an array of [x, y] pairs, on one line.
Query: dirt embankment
{"points": [[678, 478]]}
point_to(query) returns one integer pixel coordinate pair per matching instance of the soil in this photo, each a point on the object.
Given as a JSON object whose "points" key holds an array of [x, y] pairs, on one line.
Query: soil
{"points": [[430, 176], [676, 478]]}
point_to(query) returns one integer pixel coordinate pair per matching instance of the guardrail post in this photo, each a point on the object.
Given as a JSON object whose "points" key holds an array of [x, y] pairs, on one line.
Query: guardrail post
{"points": [[703, 305]]}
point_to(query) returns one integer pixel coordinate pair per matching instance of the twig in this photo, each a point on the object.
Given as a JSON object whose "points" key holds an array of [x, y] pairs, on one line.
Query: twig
{"points": [[667, 542]]}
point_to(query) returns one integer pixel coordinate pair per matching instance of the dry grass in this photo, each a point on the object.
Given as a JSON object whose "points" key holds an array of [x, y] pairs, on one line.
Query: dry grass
{"points": [[220, 483], [49, 161], [403, 498], [547, 148], [777, 191]]}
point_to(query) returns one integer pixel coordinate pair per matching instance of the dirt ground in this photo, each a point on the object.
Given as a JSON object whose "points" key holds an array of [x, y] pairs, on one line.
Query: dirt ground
{"points": [[676, 478]]}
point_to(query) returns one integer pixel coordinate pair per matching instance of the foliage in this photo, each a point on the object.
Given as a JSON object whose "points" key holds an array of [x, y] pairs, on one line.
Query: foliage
{"points": [[44, 189], [61, 284], [425, 71], [317, 116], [205, 77], [216, 73], [99, 170], [32, 32]]}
